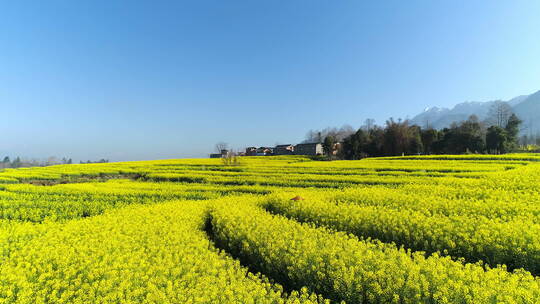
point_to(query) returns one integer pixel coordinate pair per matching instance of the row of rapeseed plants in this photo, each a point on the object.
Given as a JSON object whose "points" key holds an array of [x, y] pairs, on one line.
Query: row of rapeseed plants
{"points": [[345, 268], [150, 254]]}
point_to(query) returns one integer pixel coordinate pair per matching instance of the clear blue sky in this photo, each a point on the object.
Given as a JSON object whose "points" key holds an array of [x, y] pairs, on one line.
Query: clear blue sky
{"points": [[156, 79]]}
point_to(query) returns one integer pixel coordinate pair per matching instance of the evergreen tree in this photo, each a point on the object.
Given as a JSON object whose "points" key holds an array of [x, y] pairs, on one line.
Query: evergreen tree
{"points": [[429, 137], [496, 139], [354, 146], [415, 145], [512, 131], [328, 145]]}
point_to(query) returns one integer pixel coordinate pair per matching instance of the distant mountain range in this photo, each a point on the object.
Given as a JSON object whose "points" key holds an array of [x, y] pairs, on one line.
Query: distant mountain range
{"points": [[526, 107]]}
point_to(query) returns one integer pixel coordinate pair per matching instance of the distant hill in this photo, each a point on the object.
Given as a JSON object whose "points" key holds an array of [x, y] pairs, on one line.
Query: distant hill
{"points": [[527, 107], [529, 111]]}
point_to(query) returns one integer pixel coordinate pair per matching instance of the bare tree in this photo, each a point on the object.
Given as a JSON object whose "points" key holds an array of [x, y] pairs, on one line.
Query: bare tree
{"points": [[318, 136], [311, 136], [527, 128], [344, 132], [369, 124], [220, 146], [499, 113], [231, 158]]}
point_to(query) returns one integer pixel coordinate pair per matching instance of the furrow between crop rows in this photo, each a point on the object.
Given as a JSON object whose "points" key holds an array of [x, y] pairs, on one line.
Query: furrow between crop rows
{"points": [[342, 267]]}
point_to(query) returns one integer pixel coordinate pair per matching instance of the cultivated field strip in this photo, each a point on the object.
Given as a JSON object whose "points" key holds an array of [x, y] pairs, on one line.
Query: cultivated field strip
{"points": [[440, 200], [515, 243]]}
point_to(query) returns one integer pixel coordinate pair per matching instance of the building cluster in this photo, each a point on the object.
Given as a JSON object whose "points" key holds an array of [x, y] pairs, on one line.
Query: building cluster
{"points": [[312, 149]]}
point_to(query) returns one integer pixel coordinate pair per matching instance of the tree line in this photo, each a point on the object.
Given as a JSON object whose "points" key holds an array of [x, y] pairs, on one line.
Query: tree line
{"points": [[498, 134], [19, 162], [101, 161]]}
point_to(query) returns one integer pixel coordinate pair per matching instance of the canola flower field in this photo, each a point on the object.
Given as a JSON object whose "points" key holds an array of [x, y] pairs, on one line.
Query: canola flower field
{"points": [[418, 229]]}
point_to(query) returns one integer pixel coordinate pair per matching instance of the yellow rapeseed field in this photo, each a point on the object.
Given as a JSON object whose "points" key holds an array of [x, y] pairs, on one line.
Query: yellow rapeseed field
{"points": [[422, 229]]}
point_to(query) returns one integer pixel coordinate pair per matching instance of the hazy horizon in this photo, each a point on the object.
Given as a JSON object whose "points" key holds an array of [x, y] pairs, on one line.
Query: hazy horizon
{"points": [[140, 80]]}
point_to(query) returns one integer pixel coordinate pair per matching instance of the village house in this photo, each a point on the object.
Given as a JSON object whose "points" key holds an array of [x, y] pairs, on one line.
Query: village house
{"points": [[312, 149], [264, 151], [308, 149], [284, 150], [251, 151], [223, 153], [336, 149]]}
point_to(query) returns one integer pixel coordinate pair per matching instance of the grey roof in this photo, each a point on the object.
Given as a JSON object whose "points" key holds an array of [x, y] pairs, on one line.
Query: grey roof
{"points": [[308, 144]]}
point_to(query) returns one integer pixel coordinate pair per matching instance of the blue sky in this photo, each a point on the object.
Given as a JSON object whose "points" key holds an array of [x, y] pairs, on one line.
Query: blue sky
{"points": [[129, 80]]}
